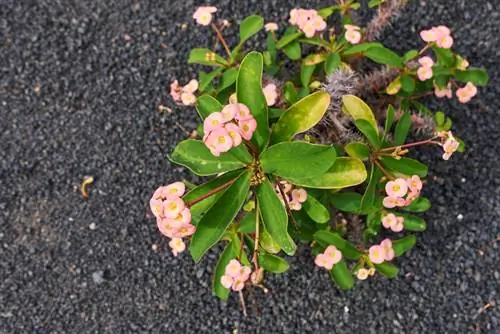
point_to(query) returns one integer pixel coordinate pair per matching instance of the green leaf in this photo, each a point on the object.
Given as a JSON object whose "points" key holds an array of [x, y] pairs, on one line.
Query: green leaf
{"points": [[297, 159], [387, 269], [272, 263], [402, 129], [477, 76], [293, 50], [206, 79], [249, 91], [316, 210], [420, 204], [333, 61], [274, 216], [369, 131], [200, 208], [371, 190], [267, 242], [405, 166], [306, 72], [327, 11], [215, 222], [206, 104], [287, 39], [358, 150], [389, 119], [440, 118], [383, 55], [413, 223], [347, 201], [194, 155], [204, 57], [445, 57], [360, 48], [407, 83], [403, 245], [314, 59], [217, 288], [345, 172], [358, 109], [250, 26], [228, 78], [271, 47], [341, 275], [301, 116], [290, 93], [349, 251], [247, 223], [412, 54]]}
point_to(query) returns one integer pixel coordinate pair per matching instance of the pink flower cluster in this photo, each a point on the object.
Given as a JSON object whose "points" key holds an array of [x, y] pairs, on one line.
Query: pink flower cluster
{"points": [[424, 72], [393, 222], [464, 94], [173, 217], [271, 26], [308, 20], [328, 258], [382, 252], [184, 94], [352, 33], [401, 192], [294, 197], [235, 276], [203, 15], [363, 273], [441, 35], [449, 144], [226, 129]]}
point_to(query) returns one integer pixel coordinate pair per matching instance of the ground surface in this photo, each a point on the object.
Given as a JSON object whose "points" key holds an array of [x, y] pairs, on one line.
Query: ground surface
{"points": [[80, 83]]}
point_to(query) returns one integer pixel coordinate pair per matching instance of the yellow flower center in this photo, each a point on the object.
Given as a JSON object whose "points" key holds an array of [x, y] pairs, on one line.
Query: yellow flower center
{"points": [[246, 128], [222, 140], [396, 187], [172, 206], [215, 122]]}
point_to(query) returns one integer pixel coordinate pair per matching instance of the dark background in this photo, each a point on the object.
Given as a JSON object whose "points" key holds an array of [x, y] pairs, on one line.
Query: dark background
{"points": [[80, 85]]}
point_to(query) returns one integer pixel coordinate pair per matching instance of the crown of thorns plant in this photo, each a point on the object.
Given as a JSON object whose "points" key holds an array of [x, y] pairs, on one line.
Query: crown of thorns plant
{"points": [[306, 142]]}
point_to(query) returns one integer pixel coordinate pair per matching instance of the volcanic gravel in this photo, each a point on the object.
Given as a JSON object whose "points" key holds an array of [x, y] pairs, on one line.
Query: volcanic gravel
{"points": [[80, 86]]}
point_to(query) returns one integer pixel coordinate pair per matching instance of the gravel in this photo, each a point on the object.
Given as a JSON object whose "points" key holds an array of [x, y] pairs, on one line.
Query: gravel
{"points": [[80, 86]]}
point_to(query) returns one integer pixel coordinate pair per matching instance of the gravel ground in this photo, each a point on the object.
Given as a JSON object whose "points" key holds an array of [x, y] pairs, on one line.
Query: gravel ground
{"points": [[80, 84]]}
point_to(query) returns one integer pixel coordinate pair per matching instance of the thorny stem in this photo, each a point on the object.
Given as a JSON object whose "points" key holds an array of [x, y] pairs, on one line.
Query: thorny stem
{"points": [[416, 97], [221, 39], [241, 247], [211, 192], [376, 162], [425, 48], [251, 147], [282, 192], [256, 240], [243, 306]]}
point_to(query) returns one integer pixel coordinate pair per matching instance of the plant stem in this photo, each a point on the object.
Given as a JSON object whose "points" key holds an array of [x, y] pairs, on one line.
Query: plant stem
{"points": [[243, 306], [285, 200], [425, 48], [379, 165], [221, 39], [256, 240], [211, 192], [423, 142]]}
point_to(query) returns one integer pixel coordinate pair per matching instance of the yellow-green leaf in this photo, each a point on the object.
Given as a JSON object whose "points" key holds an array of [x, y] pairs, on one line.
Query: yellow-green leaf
{"points": [[358, 109]]}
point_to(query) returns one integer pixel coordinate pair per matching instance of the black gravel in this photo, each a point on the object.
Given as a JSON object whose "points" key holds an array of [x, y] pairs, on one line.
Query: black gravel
{"points": [[80, 86]]}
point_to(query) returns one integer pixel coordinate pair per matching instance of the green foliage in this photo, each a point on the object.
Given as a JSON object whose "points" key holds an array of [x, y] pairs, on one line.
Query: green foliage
{"points": [[205, 57], [272, 263], [250, 26]]}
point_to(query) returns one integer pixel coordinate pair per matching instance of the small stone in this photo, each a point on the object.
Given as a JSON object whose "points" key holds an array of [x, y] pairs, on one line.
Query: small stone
{"points": [[460, 217], [92, 226], [154, 247], [98, 277]]}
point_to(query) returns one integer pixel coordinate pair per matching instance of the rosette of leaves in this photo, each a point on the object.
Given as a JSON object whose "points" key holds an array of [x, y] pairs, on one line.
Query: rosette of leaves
{"points": [[251, 173]]}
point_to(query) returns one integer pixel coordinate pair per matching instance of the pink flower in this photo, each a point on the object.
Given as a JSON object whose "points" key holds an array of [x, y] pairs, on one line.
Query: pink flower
{"points": [[295, 205], [352, 34], [465, 94], [244, 273], [214, 121], [219, 141], [307, 20], [449, 147], [441, 35], [308, 29], [376, 254], [203, 15], [247, 128], [242, 112], [175, 91], [323, 261], [424, 73], [271, 26], [238, 284], [426, 61], [333, 254], [398, 225], [442, 92], [185, 231], [389, 220], [270, 94], [175, 189], [362, 274], [428, 35], [318, 23], [177, 246], [462, 64], [388, 250], [445, 42], [234, 133], [229, 111], [173, 207], [165, 227], [233, 99], [183, 218], [414, 183], [233, 268], [299, 195], [184, 94], [294, 16], [226, 281], [396, 188]]}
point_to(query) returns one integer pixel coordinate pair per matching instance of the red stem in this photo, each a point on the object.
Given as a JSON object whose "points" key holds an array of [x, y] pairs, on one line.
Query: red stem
{"points": [[423, 142], [211, 192], [221, 39]]}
